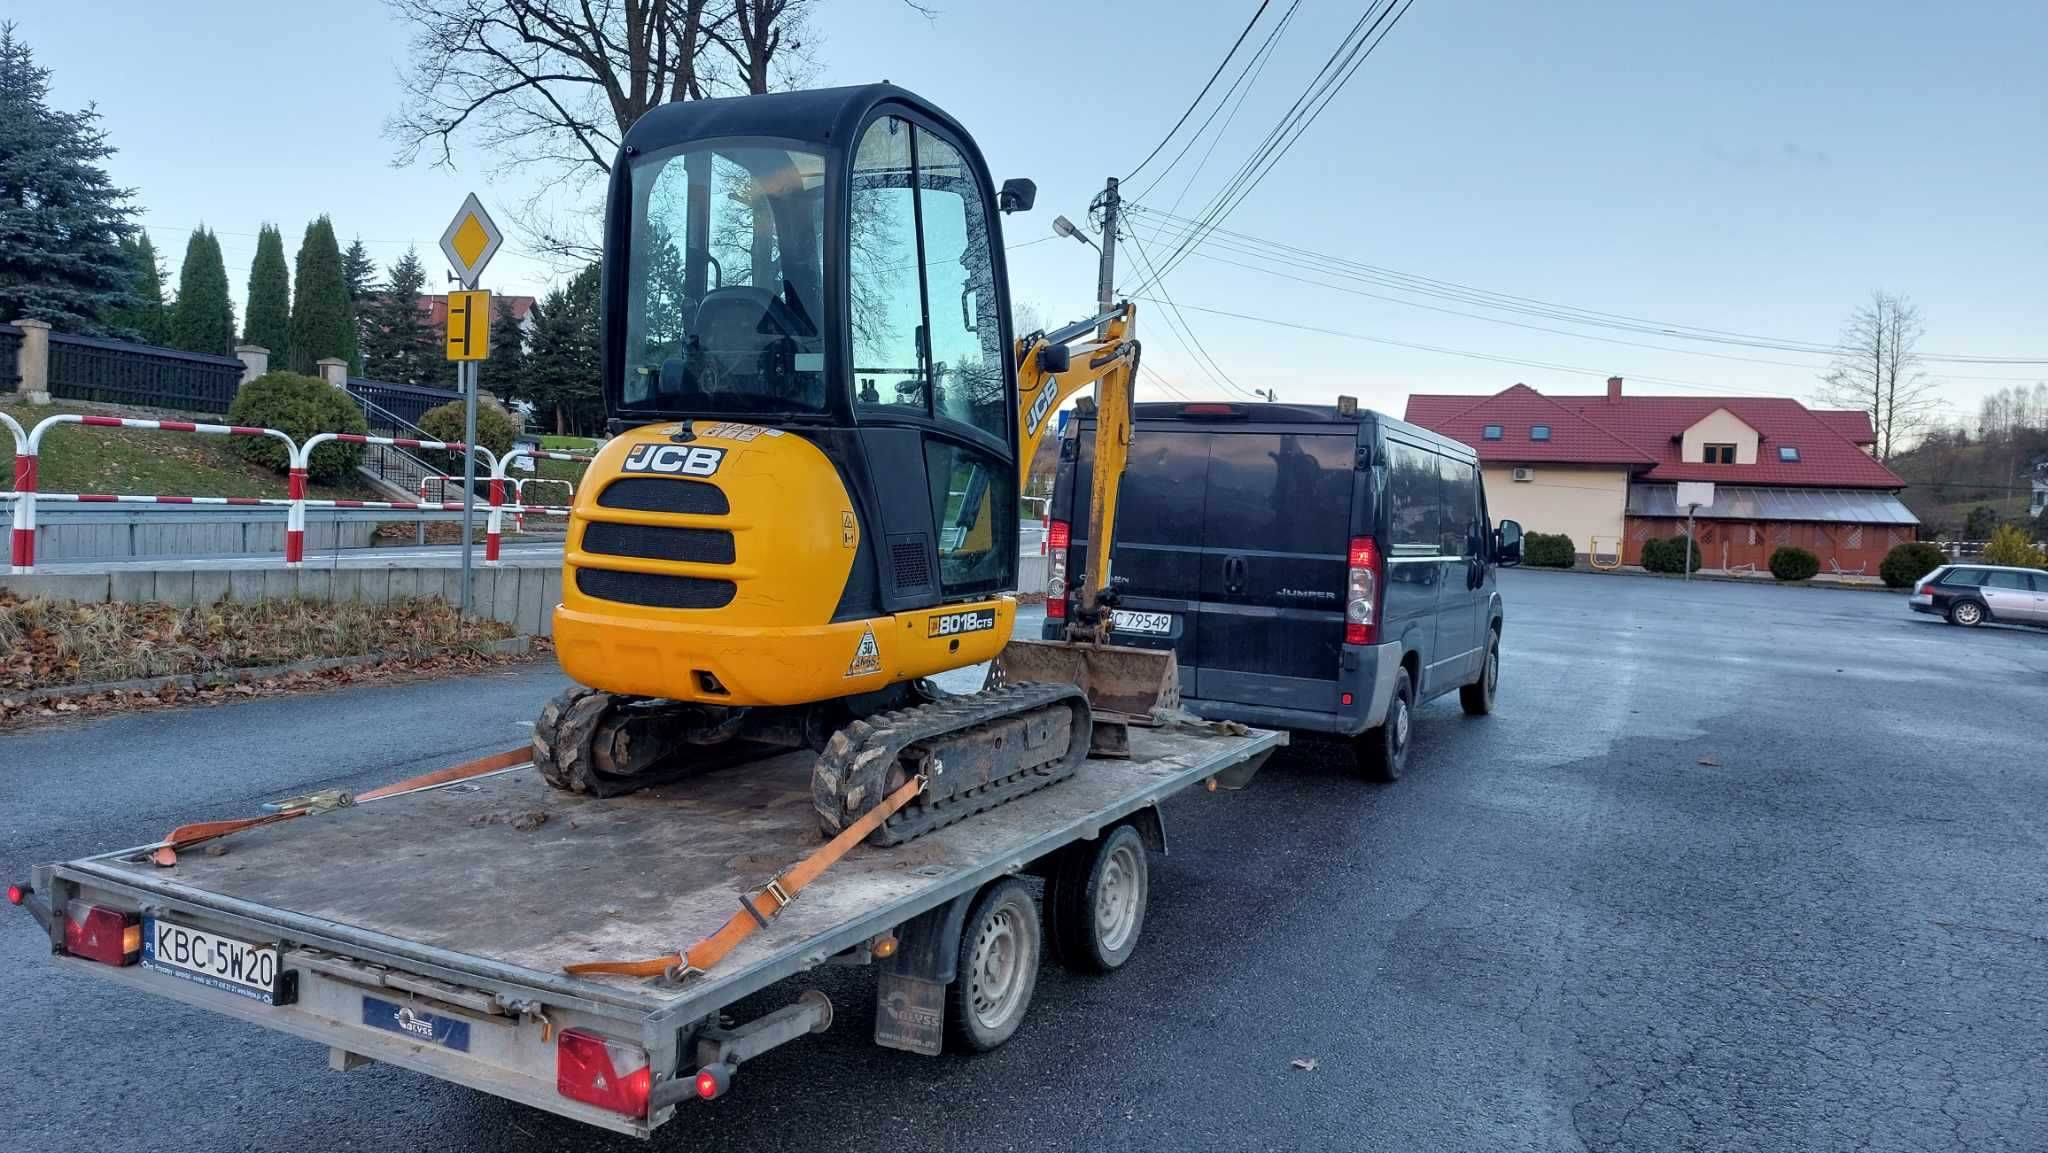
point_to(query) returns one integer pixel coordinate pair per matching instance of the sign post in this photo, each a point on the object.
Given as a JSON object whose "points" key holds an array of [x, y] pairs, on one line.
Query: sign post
{"points": [[1694, 495], [470, 242]]}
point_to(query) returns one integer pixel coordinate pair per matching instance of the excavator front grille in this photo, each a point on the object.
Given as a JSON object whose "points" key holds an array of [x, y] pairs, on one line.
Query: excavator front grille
{"points": [[655, 590], [658, 542], [661, 494]]}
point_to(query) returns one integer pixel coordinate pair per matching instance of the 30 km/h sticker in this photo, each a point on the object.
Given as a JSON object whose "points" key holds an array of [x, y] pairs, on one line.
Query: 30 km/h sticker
{"points": [[867, 656]]}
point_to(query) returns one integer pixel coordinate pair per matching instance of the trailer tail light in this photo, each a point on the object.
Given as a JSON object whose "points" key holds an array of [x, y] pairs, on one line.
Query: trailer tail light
{"points": [[1057, 536], [599, 1071], [16, 894], [98, 933], [712, 1081], [1361, 592]]}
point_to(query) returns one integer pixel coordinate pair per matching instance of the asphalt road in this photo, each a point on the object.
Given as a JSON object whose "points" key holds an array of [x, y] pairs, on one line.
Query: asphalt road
{"points": [[1731, 868]]}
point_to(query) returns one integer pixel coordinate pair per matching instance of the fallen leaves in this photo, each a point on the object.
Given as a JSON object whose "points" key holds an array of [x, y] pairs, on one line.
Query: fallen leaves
{"points": [[1304, 1064]]}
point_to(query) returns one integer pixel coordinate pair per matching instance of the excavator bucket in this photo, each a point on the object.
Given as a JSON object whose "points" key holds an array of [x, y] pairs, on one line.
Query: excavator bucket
{"points": [[1123, 684]]}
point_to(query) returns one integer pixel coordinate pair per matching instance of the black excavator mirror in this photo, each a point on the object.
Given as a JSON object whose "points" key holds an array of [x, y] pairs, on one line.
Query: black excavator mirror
{"points": [[1055, 358], [1018, 195]]}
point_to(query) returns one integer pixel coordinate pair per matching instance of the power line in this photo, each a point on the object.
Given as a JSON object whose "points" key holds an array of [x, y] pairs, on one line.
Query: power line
{"points": [[1162, 381], [1184, 332], [1220, 66], [1344, 63], [1255, 67]]}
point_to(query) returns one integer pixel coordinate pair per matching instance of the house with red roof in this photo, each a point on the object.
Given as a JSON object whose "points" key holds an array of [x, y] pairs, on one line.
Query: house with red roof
{"points": [[1605, 471]]}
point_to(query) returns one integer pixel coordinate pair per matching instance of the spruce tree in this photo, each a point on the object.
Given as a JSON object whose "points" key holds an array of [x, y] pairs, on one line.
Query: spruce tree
{"points": [[323, 320], [398, 343], [506, 369], [360, 271], [204, 318], [561, 369], [144, 318], [61, 219], [269, 321]]}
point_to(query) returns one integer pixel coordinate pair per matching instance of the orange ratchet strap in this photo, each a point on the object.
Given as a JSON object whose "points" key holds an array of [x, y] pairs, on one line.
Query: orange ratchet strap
{"points": [[200, 832], [756, 909]]}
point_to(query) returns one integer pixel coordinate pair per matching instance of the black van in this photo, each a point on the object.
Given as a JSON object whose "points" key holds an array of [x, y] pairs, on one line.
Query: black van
{"points": [[1314, 568]]}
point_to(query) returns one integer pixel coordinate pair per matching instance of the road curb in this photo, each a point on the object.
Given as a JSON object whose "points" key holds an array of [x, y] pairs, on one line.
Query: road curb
{"points": [[509, 646], [1753, 582]]}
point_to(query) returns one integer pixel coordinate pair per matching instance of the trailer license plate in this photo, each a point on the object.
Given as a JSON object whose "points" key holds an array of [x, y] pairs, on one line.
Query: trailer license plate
{"points": [[1154, 624], [208, 958]]}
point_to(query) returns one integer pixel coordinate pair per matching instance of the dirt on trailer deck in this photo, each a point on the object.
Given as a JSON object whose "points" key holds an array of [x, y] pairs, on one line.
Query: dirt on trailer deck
{"points": [[506, 869]]}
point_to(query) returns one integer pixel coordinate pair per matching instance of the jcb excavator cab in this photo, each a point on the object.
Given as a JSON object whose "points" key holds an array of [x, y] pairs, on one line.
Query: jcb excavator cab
{"points": [[829, 263]]}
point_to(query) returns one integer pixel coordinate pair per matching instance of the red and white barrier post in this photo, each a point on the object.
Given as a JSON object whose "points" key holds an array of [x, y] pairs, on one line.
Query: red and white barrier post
{"points": [[29, 449], [21, 545], [493, 531], [296, 523]]}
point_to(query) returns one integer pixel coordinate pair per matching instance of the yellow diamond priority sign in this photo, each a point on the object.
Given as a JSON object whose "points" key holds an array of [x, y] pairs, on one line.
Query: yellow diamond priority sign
{"points": [[471, 240]]}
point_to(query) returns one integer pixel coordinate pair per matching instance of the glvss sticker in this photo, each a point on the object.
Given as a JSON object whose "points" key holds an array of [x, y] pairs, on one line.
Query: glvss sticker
{"points": [[867, 656], [426, 1028], [959, 624], [744, 433], [674, 459]]}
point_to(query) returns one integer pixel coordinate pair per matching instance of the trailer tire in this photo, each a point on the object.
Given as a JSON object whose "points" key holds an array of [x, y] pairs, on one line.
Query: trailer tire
{"points": [[998, 968], [1095, 899]]}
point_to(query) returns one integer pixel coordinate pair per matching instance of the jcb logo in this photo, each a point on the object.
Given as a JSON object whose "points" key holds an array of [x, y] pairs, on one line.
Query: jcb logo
{"points": [[954, 624], [1041, 406], [682, 460]]}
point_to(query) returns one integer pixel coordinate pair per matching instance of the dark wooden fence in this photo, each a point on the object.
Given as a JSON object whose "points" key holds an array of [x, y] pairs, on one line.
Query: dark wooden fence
{"points": [[115, 372], [10, 358], [405, 401]]}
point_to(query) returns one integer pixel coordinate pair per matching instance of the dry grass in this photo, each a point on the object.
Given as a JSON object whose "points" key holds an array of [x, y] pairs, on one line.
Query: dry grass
{"points": [[44, 644]]}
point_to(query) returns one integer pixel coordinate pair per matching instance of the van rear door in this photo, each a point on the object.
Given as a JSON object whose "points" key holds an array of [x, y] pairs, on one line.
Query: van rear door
{"points": [[1278, 522], [1157, 566]]}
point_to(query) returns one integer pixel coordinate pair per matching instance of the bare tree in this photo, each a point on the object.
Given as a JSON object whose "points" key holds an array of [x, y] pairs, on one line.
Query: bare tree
{"points": [[1878, 371]]}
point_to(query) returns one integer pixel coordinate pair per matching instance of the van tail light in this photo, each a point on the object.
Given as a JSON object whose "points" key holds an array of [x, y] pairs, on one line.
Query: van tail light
{"points": [[602, 1072], [98, 933], [1057, 536], [1361, 592]]}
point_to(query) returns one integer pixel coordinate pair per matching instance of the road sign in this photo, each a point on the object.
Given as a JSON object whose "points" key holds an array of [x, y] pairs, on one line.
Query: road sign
{"points": [[469, 325], [471, 240]]}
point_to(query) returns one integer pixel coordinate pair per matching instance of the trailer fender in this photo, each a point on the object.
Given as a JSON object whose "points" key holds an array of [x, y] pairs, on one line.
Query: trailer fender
{"points": [[928, 945]]}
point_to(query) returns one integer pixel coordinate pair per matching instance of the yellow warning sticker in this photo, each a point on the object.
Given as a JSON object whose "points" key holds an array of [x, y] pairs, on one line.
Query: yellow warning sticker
{"points": [[867, 657]]}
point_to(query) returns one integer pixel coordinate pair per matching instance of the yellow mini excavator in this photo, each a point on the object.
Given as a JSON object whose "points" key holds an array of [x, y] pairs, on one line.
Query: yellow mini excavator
{"points": [[809, 504]]}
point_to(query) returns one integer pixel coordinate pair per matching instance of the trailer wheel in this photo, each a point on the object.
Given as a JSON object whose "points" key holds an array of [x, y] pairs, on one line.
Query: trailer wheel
{"points": [[1095, 901], [999, 947]]}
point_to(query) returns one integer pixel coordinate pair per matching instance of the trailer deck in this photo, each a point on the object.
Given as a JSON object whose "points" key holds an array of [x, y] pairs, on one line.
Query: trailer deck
{"points": [[492, 886]]}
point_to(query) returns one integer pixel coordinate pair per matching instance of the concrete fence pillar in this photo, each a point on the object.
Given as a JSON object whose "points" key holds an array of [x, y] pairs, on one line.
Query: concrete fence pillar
{"points": [[255, 361], [34, 361], [333, 370]]}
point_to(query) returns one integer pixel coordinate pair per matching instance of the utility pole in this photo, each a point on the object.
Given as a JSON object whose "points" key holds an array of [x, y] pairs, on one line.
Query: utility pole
{"points": [[1105, 276]]}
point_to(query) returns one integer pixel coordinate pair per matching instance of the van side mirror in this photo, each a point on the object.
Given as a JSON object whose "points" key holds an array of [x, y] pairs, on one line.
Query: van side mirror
{"points": [[1507, 544], [1018, 195]]}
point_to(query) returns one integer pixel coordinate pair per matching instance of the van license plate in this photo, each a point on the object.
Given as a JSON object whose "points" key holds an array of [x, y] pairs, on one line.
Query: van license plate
{"points": [[208, 958], [1152, 624]]}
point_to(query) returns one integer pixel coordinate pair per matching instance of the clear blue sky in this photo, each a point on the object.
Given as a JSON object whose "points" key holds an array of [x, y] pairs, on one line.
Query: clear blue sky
{"points": [[1756, 167]]}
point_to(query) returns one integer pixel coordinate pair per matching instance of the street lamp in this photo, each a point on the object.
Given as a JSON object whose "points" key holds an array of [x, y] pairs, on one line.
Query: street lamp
{"points": [[1061, 226]]}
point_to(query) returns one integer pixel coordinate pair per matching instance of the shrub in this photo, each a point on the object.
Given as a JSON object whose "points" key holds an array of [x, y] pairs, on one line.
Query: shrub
{"points": [[1909, 562], [1548, 550], [495, 429], [1792, 563], [1668, 554], [2010, 546], [298, 406]]}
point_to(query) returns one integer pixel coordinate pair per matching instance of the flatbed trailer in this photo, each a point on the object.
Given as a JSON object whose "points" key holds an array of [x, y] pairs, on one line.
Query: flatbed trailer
{"points": [[429, 930]]}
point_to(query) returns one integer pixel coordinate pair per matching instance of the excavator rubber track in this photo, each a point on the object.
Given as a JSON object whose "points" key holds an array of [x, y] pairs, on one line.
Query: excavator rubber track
{"points": [[991, 747]]}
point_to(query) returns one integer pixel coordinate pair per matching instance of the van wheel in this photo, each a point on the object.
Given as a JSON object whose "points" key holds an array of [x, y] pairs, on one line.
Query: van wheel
{"points": [[1383, 752], [998, 968], [1968, 614], [1477, 697], [1095, 901]]}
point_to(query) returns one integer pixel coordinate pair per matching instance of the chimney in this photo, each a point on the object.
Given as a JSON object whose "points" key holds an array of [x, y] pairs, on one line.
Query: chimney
{"points": [[1613, 388]]}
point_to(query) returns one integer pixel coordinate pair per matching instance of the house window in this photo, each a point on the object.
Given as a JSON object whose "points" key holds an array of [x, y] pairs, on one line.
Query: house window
{"points": [[1788, 453], [1718, 454], [1490, 432], [1539, 432]]}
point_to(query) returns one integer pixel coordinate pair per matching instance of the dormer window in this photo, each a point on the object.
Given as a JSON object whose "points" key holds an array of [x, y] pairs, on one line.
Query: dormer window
{"points": [[1788, 453], [1718, 454], [1490, 432], [1539, 432]]}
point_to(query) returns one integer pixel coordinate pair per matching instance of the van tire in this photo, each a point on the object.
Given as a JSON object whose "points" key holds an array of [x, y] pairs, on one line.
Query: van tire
{"points": [[1477, 697], [1383, 752]]}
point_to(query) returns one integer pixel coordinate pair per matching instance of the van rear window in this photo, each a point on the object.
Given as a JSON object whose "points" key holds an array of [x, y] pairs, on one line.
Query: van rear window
{"points": [[1287, 492]]}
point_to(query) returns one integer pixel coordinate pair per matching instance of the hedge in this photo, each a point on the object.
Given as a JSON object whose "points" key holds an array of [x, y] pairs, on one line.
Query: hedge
{"points": [[1792, 563], [298, 406], [495, 429], [1668, 554], [1548, 550], [1908, 562]]}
